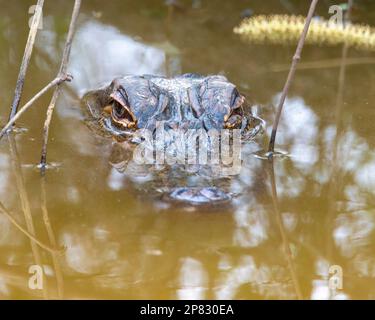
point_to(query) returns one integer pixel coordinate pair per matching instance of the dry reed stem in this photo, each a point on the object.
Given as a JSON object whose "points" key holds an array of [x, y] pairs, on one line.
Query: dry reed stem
{"points": [[63, 69], [296, 58], [26, 58]]}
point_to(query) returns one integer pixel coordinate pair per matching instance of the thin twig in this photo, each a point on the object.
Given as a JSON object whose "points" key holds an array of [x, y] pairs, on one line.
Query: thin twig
{"points": [[28, 234], [63, 68], [26, 57], [53, 83], [296, 58]]}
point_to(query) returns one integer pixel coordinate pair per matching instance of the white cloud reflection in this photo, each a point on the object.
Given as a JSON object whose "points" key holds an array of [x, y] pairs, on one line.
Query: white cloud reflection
{"points": [[299, 130], [101, 53], [252, 225], [352, 231], [192, 280]]}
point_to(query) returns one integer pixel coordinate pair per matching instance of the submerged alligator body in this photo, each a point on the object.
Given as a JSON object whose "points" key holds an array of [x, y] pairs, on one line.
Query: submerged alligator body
{"points": [[185, 103]]}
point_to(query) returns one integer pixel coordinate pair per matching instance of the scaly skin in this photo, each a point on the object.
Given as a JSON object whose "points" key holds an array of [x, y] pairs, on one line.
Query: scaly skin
{"points": [[184, 102]]}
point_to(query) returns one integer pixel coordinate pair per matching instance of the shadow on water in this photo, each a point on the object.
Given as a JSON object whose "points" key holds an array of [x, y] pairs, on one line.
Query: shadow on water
{"points": [[298, 216], [284, 237], [29, 231]]}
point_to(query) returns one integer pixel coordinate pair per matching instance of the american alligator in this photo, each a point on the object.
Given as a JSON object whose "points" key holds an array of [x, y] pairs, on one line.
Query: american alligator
{"points": [[186, 103]]}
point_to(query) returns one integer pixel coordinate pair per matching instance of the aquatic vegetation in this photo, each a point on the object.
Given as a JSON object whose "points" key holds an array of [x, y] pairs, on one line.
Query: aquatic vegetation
{"points": [[286, 29]]}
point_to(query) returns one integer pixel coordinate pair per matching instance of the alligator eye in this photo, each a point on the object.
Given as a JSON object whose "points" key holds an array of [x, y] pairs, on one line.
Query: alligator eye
{"points": [[120, 111], [123, 116], [234, 118]]}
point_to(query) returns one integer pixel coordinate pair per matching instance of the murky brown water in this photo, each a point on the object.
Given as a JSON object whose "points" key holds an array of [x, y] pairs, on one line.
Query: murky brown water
{"points": [[122, 243]]}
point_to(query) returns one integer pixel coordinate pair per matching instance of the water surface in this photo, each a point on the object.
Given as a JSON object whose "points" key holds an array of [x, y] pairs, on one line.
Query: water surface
{"points": [[122, 243]]}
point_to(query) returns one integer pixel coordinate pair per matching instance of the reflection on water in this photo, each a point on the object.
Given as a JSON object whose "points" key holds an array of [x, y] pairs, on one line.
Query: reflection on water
{"points": [[103, 53], [121, 239]]}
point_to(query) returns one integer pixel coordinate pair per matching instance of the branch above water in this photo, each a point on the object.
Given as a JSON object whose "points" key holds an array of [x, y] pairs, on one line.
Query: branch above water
{"points": [[53, 83], [293, 67]]}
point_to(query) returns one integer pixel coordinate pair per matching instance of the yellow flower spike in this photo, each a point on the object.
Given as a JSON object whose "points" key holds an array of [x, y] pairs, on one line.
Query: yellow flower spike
{"points": [[286, 29]]}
